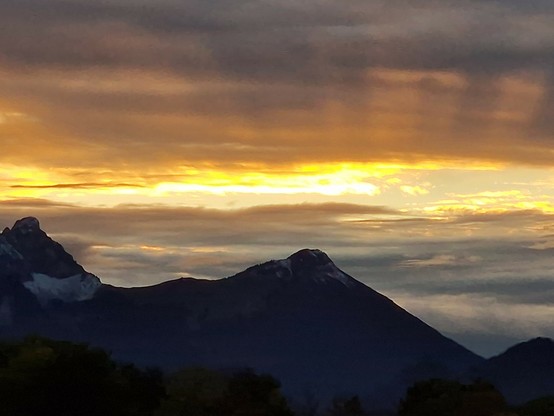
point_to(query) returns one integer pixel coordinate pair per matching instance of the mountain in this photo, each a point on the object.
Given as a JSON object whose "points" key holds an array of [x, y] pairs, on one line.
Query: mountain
{"points": [[32, 259], [302, 319], [523, 372]]}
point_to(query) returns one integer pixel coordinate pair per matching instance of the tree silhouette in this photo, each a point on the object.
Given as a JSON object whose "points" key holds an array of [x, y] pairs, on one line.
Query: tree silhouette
{"points": [[44, 377], [193, 391], [202, 392], [451, 398], [543, 406], [249, 394]]}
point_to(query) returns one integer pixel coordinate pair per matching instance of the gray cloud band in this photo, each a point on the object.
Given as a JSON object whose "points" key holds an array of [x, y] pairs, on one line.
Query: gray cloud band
{"points": [[435, 275]]}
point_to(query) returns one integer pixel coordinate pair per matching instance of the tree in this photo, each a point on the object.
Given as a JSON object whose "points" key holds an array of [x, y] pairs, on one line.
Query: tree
{"points": [[193, 391], [41, 377], [543, 406], [451, 398], [249, 394], [202, 392]]}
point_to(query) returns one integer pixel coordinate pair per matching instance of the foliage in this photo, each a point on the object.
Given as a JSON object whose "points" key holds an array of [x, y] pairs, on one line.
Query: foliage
{"points": [[539, 407], [202, 392], [450, 398], [40, 376], [194, 391]]}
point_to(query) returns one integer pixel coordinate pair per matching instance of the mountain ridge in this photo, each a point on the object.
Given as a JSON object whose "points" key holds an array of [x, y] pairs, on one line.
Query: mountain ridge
{"points": [[523, 372], [42, 265], [302, 319]]}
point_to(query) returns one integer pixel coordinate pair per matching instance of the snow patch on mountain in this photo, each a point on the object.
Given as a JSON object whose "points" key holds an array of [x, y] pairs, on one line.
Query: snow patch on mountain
{"points": [[72, 289], [319, 267], [336, 274], [305, 264], [328, 273]]}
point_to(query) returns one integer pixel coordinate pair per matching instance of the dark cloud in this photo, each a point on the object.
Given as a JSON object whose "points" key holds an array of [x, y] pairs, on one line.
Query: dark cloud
{"points": [[271, 78], [32, 204], [275, 40], [85, 185]]}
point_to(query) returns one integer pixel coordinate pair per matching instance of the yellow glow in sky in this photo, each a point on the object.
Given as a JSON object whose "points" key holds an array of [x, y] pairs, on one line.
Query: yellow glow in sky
{"points": [[417, 189]]}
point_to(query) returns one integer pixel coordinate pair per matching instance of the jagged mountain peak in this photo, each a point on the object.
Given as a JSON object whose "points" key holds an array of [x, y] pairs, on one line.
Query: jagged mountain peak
{"points": [[31, 259], [24, 230], [306, 265], [318, 266], [309, 258], [44, 255], [26, 225]]}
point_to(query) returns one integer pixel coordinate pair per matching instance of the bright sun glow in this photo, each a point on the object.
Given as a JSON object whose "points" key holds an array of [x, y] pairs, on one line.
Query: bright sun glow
{"points": [[419, 189]]}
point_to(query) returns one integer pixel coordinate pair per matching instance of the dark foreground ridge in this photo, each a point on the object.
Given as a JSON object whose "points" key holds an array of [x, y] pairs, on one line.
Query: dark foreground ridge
{"points": [[302, 319], [523, 372]]}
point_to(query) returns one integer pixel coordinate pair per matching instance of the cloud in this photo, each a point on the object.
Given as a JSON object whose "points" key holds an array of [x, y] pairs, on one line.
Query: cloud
{"points": [[358, 236], [428, 266], [272, 229], [85, 185], [269, 39], [543, 245], [441, 260], [466, 313], [276, 82]]}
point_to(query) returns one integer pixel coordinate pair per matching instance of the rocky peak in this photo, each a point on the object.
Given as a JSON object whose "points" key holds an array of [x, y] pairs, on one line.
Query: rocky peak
{"points": [[31, 262], [43, 254], [306, 265], [26, 225], [308, 259]]}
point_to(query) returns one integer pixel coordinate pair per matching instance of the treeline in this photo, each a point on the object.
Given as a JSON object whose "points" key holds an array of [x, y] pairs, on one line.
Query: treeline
{"points": [[39, 376], [452, 398]]}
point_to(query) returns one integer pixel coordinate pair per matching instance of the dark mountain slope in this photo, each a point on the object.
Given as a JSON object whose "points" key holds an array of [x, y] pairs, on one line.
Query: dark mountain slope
{"points": [[523, 372], [301, 319], [42, 254]]}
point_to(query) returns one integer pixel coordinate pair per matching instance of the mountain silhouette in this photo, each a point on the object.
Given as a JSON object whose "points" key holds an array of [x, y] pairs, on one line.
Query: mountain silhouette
{"points": [[523, 372], [43, 254], [302, 319]]}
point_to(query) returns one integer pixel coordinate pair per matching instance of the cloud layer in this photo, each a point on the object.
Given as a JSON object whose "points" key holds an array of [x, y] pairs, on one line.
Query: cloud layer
{"points": [[461, 284], [128, 83]]}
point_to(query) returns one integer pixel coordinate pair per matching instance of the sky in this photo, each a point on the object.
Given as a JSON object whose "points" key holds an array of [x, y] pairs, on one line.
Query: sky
{"points": [[413, 141]]}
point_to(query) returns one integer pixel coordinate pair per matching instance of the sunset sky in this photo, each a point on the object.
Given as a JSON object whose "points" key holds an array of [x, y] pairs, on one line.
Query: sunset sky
{"points": [[413, 141]]}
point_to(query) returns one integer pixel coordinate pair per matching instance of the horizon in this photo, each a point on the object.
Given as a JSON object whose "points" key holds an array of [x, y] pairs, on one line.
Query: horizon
{"points": [[412, 143]]}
